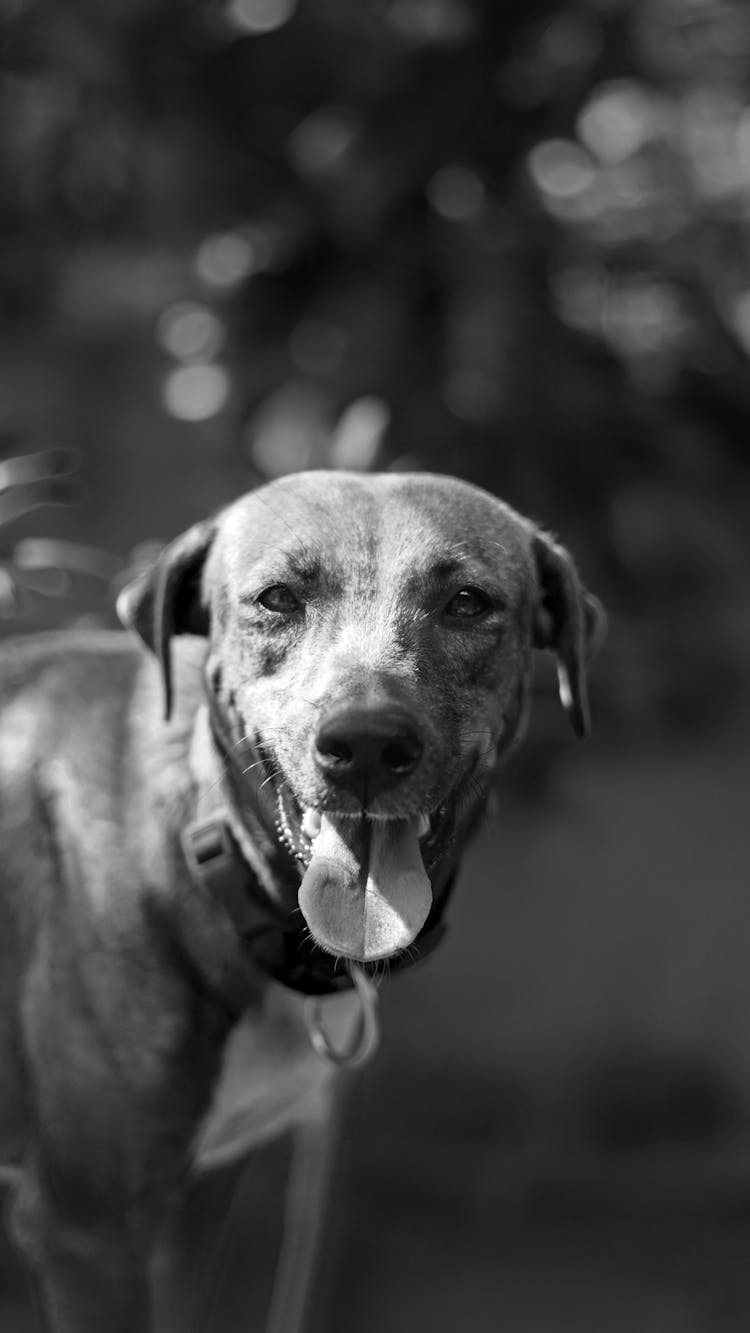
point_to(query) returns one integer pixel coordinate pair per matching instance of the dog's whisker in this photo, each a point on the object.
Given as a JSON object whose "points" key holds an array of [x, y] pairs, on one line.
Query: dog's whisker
{"points": [[208, 791]]}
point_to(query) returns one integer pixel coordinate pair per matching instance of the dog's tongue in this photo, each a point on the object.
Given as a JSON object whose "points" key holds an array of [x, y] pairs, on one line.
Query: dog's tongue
{"points": [[365, 893]]}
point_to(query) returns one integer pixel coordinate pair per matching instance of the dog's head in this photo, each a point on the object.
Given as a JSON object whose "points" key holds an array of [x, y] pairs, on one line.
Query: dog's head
{"points": [[370, 640]]}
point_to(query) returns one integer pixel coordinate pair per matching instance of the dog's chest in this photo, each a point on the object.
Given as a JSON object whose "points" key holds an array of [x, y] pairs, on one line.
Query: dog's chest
{"points": [[271, 1078]]}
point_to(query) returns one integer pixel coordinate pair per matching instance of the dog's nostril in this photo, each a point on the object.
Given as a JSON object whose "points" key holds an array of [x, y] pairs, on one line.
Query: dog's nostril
{"points": [[336, 752], [400, 757]]}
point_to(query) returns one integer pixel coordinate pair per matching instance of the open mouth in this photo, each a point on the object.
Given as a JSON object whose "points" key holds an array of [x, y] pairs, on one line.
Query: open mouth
{"points": [[365, 891], [298, 827]]}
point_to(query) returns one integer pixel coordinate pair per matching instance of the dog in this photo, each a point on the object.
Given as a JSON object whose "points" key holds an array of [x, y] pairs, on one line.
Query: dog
{"points": [[263, 810]]}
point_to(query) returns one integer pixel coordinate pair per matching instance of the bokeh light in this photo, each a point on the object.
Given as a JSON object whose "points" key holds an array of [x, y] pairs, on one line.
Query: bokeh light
{"points": [[196, 392], [319, 145], [561, 169], [710, 129], [290, 430], [257, 17], [431, 22], [618, 119], [227, 258], [642, 315], [190, 331], [456, 193], [358, 436]]}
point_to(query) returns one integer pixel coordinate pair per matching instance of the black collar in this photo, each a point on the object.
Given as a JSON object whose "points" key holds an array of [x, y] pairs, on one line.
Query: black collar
{"points": [[277, 939]]}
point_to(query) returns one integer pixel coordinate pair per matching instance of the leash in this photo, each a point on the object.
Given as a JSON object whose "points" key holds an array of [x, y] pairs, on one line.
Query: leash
{"points": [[221, 852]]}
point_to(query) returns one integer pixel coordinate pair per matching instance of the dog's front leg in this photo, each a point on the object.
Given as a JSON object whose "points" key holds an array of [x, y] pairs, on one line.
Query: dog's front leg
{"points": [[93, 1275], [119, 1075]]}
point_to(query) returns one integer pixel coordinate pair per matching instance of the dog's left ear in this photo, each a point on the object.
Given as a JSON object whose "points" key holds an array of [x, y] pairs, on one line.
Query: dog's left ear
{"points": [[168, 600], [568, 621]]}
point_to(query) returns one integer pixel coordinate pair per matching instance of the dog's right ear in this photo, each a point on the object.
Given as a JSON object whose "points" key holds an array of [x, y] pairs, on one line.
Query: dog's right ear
{"points": [[568, 621], [168, 599]]}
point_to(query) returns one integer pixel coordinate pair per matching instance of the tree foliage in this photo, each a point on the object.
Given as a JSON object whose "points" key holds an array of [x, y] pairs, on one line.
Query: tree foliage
{"points": [[507, 240]]}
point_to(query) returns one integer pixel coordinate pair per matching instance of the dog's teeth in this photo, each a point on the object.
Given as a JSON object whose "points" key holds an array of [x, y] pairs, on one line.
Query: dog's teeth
{"points": [[311, 823], [423, 827]]}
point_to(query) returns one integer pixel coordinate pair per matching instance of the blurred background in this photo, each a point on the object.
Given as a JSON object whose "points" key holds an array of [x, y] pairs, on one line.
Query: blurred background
{"points": [[509, 241]]}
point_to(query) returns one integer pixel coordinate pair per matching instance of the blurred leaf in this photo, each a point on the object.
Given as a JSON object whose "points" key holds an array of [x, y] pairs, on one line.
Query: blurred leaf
{"points": [[20, 500]]}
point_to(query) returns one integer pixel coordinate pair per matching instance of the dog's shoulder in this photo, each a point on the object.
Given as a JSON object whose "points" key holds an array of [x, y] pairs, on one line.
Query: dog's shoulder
{"points": [[65, 662], [62, 700], [70, 675], [84, 743]]}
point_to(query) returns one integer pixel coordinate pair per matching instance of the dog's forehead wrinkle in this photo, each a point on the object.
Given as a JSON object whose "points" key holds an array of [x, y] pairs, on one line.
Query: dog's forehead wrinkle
{"points": [[448, 498], [322, 536], [344, 526], [372, 557], [255, 528], [297, 564], [435, 544]]}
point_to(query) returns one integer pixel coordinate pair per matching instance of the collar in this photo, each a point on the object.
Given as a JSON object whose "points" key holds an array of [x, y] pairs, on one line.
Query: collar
{"points": [[240, 863]]}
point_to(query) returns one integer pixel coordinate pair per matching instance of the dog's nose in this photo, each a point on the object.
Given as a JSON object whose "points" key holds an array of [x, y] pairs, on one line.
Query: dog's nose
{"points": [[367, 750]]}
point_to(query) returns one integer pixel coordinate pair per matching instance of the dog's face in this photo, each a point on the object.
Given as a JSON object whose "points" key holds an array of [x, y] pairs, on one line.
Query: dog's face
{"points": [[370, 642]]}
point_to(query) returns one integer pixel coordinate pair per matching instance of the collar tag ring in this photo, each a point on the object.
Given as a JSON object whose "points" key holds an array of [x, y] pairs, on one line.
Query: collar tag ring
{"points": [[366, 1037]]}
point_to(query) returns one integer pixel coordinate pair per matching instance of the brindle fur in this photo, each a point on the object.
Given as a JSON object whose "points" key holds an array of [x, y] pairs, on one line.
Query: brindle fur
{"points": [[119, 979]]}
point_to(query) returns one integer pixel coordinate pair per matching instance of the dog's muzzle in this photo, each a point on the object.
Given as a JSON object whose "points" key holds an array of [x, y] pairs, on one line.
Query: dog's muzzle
{"points": [[365, 893]]}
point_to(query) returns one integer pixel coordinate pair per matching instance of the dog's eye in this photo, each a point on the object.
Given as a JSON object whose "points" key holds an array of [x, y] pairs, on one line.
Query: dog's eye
{"points": [[468, 604], [280, 599]]}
